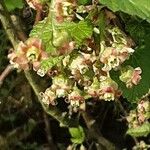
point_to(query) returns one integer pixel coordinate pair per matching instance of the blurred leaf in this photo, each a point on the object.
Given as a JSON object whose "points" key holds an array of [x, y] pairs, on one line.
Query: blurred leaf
{"points": [[30, 125], [77, 134], [140, 8], [13, 4], [143, 130], [84, 2]]}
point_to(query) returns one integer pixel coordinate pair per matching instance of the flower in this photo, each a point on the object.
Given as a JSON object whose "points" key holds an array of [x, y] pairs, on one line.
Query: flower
{"points": [[82, 63], [130, 76], [76, 98], [64, 10], [48, 97], [108, 89], [61, 85], [93, 90], [30, 52], [113, 57]]}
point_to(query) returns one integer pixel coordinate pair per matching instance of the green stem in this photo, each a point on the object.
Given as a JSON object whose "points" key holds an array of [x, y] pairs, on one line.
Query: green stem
{"points": [[7, 24]]}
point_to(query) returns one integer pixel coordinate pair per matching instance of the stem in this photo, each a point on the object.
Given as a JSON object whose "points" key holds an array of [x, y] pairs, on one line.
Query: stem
{"points": [[48, 132], [95, 133], [4, 74], [7, 24]]}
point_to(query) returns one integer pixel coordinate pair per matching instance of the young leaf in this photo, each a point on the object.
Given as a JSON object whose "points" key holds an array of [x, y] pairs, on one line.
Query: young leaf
{"points": [[43, 31], [143, 130], [139, 8], [51, 62], [77, 135], [78, 31]]}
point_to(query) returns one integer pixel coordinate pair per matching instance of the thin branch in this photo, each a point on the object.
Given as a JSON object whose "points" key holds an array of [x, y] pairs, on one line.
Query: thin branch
{"points": [[7, 24], [5, 73], [48, 132], [95, 132]]}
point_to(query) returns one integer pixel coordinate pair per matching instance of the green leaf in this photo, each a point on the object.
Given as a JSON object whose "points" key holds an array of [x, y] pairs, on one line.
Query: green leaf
{"points": [[143, 130], [51, 62], [140, 32], [43, 30], [77, 135], [13, 4], [140, 59], [78, 31], [138, 29], [140, 8]]}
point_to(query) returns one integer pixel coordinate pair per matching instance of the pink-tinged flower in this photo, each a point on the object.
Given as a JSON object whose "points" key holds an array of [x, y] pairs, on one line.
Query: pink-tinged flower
{"points": [[124, 53], [66, 48], [30, 52], [35, 4], [76, 98], [64, 10], [81, 63], [108, 89], [130, 76], [113, 57], [136, 77], [93, 90]]}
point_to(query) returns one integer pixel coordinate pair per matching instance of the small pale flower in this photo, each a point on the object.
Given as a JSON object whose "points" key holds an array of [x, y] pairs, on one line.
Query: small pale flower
{"points": [[130, 76], [113, 57], [48, 97], [78, 64], [108, 89], [75, 97], [93, 90]]}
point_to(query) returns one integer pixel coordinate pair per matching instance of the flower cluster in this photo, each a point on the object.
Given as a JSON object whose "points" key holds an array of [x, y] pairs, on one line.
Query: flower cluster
{"points": [[80, 71], [138, 117], [106, 89], [63, 87], [113, 57], [141, 146], [130, 76]]}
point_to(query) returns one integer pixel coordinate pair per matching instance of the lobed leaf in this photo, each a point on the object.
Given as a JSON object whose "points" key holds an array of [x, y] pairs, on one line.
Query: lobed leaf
{"points": [[78, 31], [140, 8], [43, 30], [77, 134]]}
